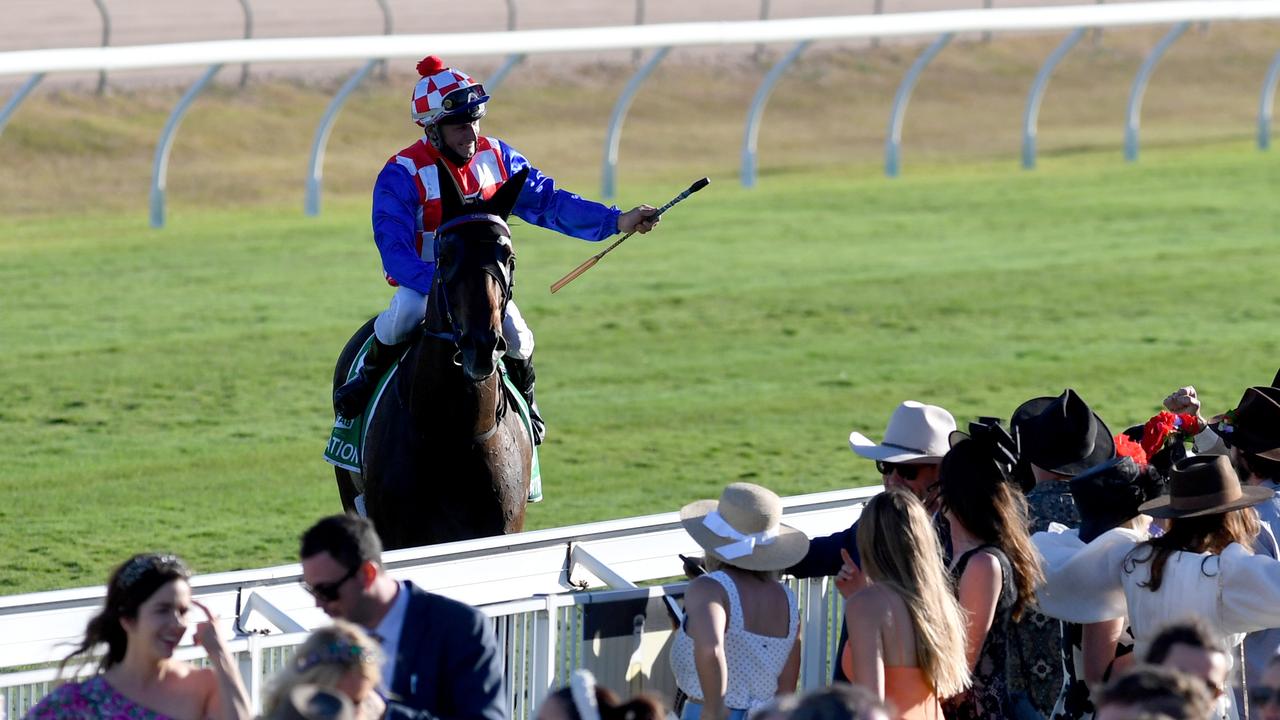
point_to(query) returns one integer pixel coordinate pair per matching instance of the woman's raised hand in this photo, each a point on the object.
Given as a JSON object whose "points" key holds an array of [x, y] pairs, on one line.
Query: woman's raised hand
{"points": [[850, 578]]}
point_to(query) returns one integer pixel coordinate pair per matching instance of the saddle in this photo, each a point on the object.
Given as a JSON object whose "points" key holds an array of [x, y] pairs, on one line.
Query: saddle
{"points": [[345, 448]]}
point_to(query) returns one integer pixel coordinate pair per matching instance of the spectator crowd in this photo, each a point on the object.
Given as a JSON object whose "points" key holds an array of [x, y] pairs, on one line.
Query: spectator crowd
{"points": [[1043, 568]]}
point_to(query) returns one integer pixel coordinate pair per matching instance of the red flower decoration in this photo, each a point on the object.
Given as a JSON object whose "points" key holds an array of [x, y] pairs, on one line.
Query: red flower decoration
{"points": [[1125, 447], [1156, 431], [1189, 425]]}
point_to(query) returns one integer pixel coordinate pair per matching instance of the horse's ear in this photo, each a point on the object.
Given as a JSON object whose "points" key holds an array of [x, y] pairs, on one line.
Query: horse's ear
{"points": [[504, 199], [451, 199]]}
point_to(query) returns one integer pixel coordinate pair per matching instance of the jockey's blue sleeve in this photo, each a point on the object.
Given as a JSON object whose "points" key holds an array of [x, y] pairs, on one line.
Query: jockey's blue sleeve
{"points": [[545, 205], [395, 223]]}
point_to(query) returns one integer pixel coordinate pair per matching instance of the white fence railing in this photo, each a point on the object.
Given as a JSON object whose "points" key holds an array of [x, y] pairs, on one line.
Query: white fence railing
{"points": [[518, 44], [559, 599]]}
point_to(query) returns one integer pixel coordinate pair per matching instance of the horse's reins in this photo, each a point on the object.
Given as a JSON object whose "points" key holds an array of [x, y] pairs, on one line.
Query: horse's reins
{"points": [[506, 281]]}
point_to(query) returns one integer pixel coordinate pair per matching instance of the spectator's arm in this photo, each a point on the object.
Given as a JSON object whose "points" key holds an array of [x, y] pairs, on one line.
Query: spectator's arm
{"points": [[706, 607], [823, 558], [1082, 582], [477, 688], [862, 617], [978, 592], [1099, 648]]}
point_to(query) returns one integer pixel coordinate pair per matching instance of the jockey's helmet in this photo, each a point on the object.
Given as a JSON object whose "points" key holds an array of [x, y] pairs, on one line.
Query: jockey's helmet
{"points": [[445, 96]]}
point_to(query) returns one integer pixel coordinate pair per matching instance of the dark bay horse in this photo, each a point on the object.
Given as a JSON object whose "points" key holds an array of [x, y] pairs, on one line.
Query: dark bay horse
{"points": [[446, 455]]}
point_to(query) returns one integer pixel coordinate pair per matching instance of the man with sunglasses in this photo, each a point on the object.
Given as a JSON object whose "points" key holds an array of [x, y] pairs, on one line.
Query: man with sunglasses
{"points": [[448, 105], [915, 440], [441, 659]]}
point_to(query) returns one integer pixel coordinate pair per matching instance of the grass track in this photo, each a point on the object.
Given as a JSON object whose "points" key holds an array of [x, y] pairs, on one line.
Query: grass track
{"points": [[169, 390]]}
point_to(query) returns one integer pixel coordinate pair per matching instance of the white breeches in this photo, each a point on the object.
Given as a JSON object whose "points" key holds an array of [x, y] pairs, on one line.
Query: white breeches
{"points": [[408, 307]]}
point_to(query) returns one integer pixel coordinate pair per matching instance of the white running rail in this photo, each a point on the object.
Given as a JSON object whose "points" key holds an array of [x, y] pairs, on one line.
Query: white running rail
{"points": [[549, 593]]}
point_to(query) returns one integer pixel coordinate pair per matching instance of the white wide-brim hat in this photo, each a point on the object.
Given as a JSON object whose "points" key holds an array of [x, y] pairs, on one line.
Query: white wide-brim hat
{"points": [[743, 529], [916, 432]]}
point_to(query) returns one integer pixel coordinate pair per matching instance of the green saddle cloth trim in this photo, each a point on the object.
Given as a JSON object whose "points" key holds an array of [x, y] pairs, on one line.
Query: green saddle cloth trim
{"points": [[346, 440]]}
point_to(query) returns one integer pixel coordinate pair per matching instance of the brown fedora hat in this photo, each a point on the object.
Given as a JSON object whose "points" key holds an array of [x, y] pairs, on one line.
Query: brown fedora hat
{"points": [[1254, 426], [1204, 485]]}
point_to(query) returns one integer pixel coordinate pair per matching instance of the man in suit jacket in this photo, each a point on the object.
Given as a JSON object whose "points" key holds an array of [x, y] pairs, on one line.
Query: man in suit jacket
{"points": [[441, 657]]}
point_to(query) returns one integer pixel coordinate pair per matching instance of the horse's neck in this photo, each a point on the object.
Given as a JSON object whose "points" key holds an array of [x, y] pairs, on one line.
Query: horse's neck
{"points": [[440, 395]]}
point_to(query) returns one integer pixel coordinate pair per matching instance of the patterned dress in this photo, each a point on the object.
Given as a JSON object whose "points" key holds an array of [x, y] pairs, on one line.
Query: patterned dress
{"points": [[92, 699], [988, 697], [1036, 659]]}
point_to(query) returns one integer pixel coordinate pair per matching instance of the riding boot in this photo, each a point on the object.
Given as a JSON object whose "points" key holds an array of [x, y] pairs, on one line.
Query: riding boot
{"points": [[350, 400], [522, 376]]}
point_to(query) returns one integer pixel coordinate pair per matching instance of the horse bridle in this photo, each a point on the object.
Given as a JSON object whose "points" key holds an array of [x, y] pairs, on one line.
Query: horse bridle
{"points": [[504, 274]]}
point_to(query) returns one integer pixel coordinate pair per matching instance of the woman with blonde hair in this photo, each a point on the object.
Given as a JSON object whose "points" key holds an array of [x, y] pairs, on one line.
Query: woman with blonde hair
{"points": [[339, 657], [906, 630]]}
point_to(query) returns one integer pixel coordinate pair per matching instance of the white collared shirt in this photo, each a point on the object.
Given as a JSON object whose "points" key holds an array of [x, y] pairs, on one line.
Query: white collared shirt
{"points": [[389, 630]]}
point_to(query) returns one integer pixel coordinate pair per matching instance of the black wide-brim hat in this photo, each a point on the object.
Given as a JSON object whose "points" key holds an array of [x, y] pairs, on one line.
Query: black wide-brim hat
{"points": [[1062, 434], [1111, 493], [1254, 426], [1205, 485]]}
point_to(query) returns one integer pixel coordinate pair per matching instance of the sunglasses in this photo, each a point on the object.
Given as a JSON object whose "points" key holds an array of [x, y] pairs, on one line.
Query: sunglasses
{"points": [[1262, 695], [328, 592], [906, 472]]}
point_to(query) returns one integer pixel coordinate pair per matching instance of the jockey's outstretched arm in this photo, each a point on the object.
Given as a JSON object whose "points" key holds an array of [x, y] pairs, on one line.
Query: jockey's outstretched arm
{"points": [[545, 205]]}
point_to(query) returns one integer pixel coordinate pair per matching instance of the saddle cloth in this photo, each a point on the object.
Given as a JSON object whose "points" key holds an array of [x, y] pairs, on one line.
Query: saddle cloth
{"points": [[346, 441]]}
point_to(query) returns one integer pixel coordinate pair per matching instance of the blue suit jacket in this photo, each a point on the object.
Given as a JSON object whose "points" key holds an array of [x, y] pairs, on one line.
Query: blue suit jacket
{"points": [[448, 666]]}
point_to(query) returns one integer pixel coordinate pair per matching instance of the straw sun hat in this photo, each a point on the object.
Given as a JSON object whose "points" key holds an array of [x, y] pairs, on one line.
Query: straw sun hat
{"points": [[742, 528]]}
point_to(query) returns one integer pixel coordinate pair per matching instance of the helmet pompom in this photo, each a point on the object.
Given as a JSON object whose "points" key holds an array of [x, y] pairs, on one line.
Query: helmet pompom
{"points": [[430, 65]]}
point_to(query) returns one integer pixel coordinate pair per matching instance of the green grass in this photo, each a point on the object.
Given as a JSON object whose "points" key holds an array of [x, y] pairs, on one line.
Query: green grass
{"points": [[170, 389]]}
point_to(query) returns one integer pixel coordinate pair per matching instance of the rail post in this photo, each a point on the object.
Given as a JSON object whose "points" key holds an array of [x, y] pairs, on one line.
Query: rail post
{"points": [[609, 182], [1133, 117], [893, 141], [1031, 116], [750, 137], [160, 168]]}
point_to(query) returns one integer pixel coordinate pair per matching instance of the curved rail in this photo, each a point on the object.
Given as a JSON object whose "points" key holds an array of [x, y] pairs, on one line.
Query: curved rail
{"points": [[893, 141], [10, 107], [495, 80], [106, 40], [315, 169], [248, 34], [608, 183], [1265, 105], [160, 169], [1031, 117], [1133, 118], [751, 136]]}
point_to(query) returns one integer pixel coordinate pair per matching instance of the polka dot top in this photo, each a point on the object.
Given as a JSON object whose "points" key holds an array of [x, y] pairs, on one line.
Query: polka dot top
{"points": [[754, 661]]}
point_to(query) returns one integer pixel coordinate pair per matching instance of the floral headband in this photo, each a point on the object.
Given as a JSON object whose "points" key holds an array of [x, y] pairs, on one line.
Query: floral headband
{"points": [[140, 565], [335, 653]]}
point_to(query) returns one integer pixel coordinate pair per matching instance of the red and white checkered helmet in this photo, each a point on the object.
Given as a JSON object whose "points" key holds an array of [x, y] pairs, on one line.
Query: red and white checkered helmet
{"points": [[445, 93]]}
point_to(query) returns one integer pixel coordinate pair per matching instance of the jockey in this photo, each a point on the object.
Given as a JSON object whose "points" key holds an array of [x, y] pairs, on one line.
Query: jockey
{"points": [[448, 105]]}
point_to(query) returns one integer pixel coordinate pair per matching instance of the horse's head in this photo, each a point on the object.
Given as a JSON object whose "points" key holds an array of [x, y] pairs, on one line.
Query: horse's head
{"points": [[475, 270]]}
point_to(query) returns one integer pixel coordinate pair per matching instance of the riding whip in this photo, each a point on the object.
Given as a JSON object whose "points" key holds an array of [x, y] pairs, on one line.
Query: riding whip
{"points": [[591, 261]]}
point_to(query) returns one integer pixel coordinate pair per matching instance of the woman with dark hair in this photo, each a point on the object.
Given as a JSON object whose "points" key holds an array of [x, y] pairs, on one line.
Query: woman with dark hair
{"points": [[141, 623], [583, 699], [1202, 566], [994, 564]]}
